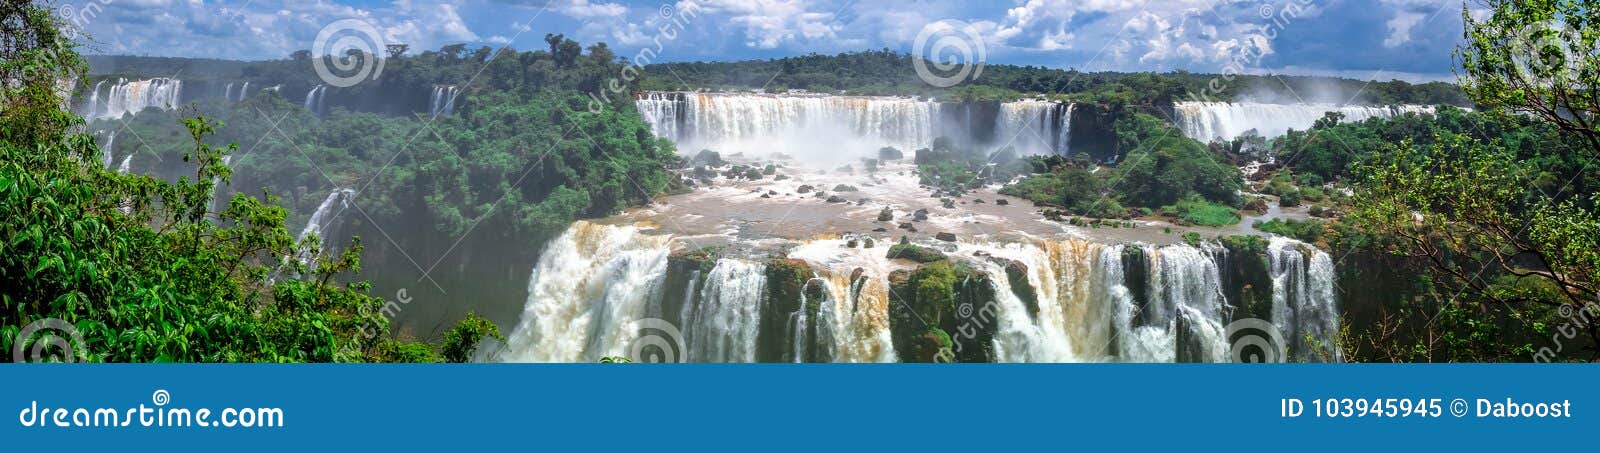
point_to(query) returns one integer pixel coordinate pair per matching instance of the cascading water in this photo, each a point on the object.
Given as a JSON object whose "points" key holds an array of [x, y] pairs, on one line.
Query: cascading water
{"points": [[587, 292], [127, 164], [1078, 301], [1303, 303], [227, 91], [314, 99], [322, 218], [244, 91], [1034, 127], [110, 149], [126, 98], [1207, 121], [722, 325], [443, 101], [766, 123]]}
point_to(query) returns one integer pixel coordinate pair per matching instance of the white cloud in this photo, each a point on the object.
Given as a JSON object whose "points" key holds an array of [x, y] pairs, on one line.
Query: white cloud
{"points": [[1400, 28]]}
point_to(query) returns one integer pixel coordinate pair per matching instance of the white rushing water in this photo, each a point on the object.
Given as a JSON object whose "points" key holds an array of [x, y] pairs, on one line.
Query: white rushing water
{"points": [[130, 97], [1034, 127], [587, 293], [722, 325], [845, 126], [593, 285], [443, 100], [336, 202], [314, 99], [1207, 121]]}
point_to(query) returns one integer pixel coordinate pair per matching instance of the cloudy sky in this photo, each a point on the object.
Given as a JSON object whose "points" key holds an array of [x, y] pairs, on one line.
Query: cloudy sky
{"points": [[1383, 39]]}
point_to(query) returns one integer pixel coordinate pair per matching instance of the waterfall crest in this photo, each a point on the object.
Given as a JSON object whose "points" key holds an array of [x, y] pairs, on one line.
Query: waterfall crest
{"points": [[314, 99]]}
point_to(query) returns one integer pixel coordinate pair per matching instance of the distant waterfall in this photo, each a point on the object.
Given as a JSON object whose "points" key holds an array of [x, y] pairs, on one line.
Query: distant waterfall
{"points": [[767, 123], [337, 201], [127, 164], [587, 293], [443, 101], [93, 107], [1083, 301], [843, 127], [126, 98], [244, 91], [227, 91], [110, 150], [314, 99], [1034, 127], [1207, 121]]}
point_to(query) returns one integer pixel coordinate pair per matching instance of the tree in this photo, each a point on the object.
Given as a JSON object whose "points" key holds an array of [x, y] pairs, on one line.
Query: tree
{"points": [[1474, 210], [396, 50]]}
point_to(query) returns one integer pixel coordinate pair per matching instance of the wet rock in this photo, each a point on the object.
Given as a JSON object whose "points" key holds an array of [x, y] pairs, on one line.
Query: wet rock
{"points": [[908, 227], [765, 195], [915, 253], [837, 199], [844, 188], [890, 153], [920, 215], [867, 243], [852, 243], [804, 188], [780, 177], [948, 203], [944, 236], [885, 215], [880, 230], [707, 157], [1001, 201], [846, 169], [978, 201]]}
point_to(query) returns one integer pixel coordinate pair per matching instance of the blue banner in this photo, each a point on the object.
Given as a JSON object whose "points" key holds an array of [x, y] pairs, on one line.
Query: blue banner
{"points": [[796, 407]]}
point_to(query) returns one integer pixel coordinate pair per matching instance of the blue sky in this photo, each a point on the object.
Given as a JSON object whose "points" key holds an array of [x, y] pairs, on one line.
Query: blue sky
{"points": [[1382, 39]]}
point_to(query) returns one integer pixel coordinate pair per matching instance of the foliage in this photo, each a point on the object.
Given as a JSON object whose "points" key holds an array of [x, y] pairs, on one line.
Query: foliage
{"points": [[1164, 166], [915, 253], [145, 269], [1193, 210], [1303, 230], [460, 341]]}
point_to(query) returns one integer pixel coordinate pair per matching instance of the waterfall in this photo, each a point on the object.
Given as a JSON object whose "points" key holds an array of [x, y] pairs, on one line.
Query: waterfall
{"points": [[110, 150], [1206, 121], [216, 181], [227, 91], [1303, 303], [244, 91], [855, 310], [1034, 126], [127, 164], [322, 218], [721, 325], [586, 294], [94, 101], [769, 123], [314, 99], [126, 98], [443, 101], [1053, 301]]}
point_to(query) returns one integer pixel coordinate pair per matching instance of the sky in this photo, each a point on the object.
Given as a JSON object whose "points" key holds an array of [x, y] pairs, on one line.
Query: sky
{"points": [[1364, 39]]}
